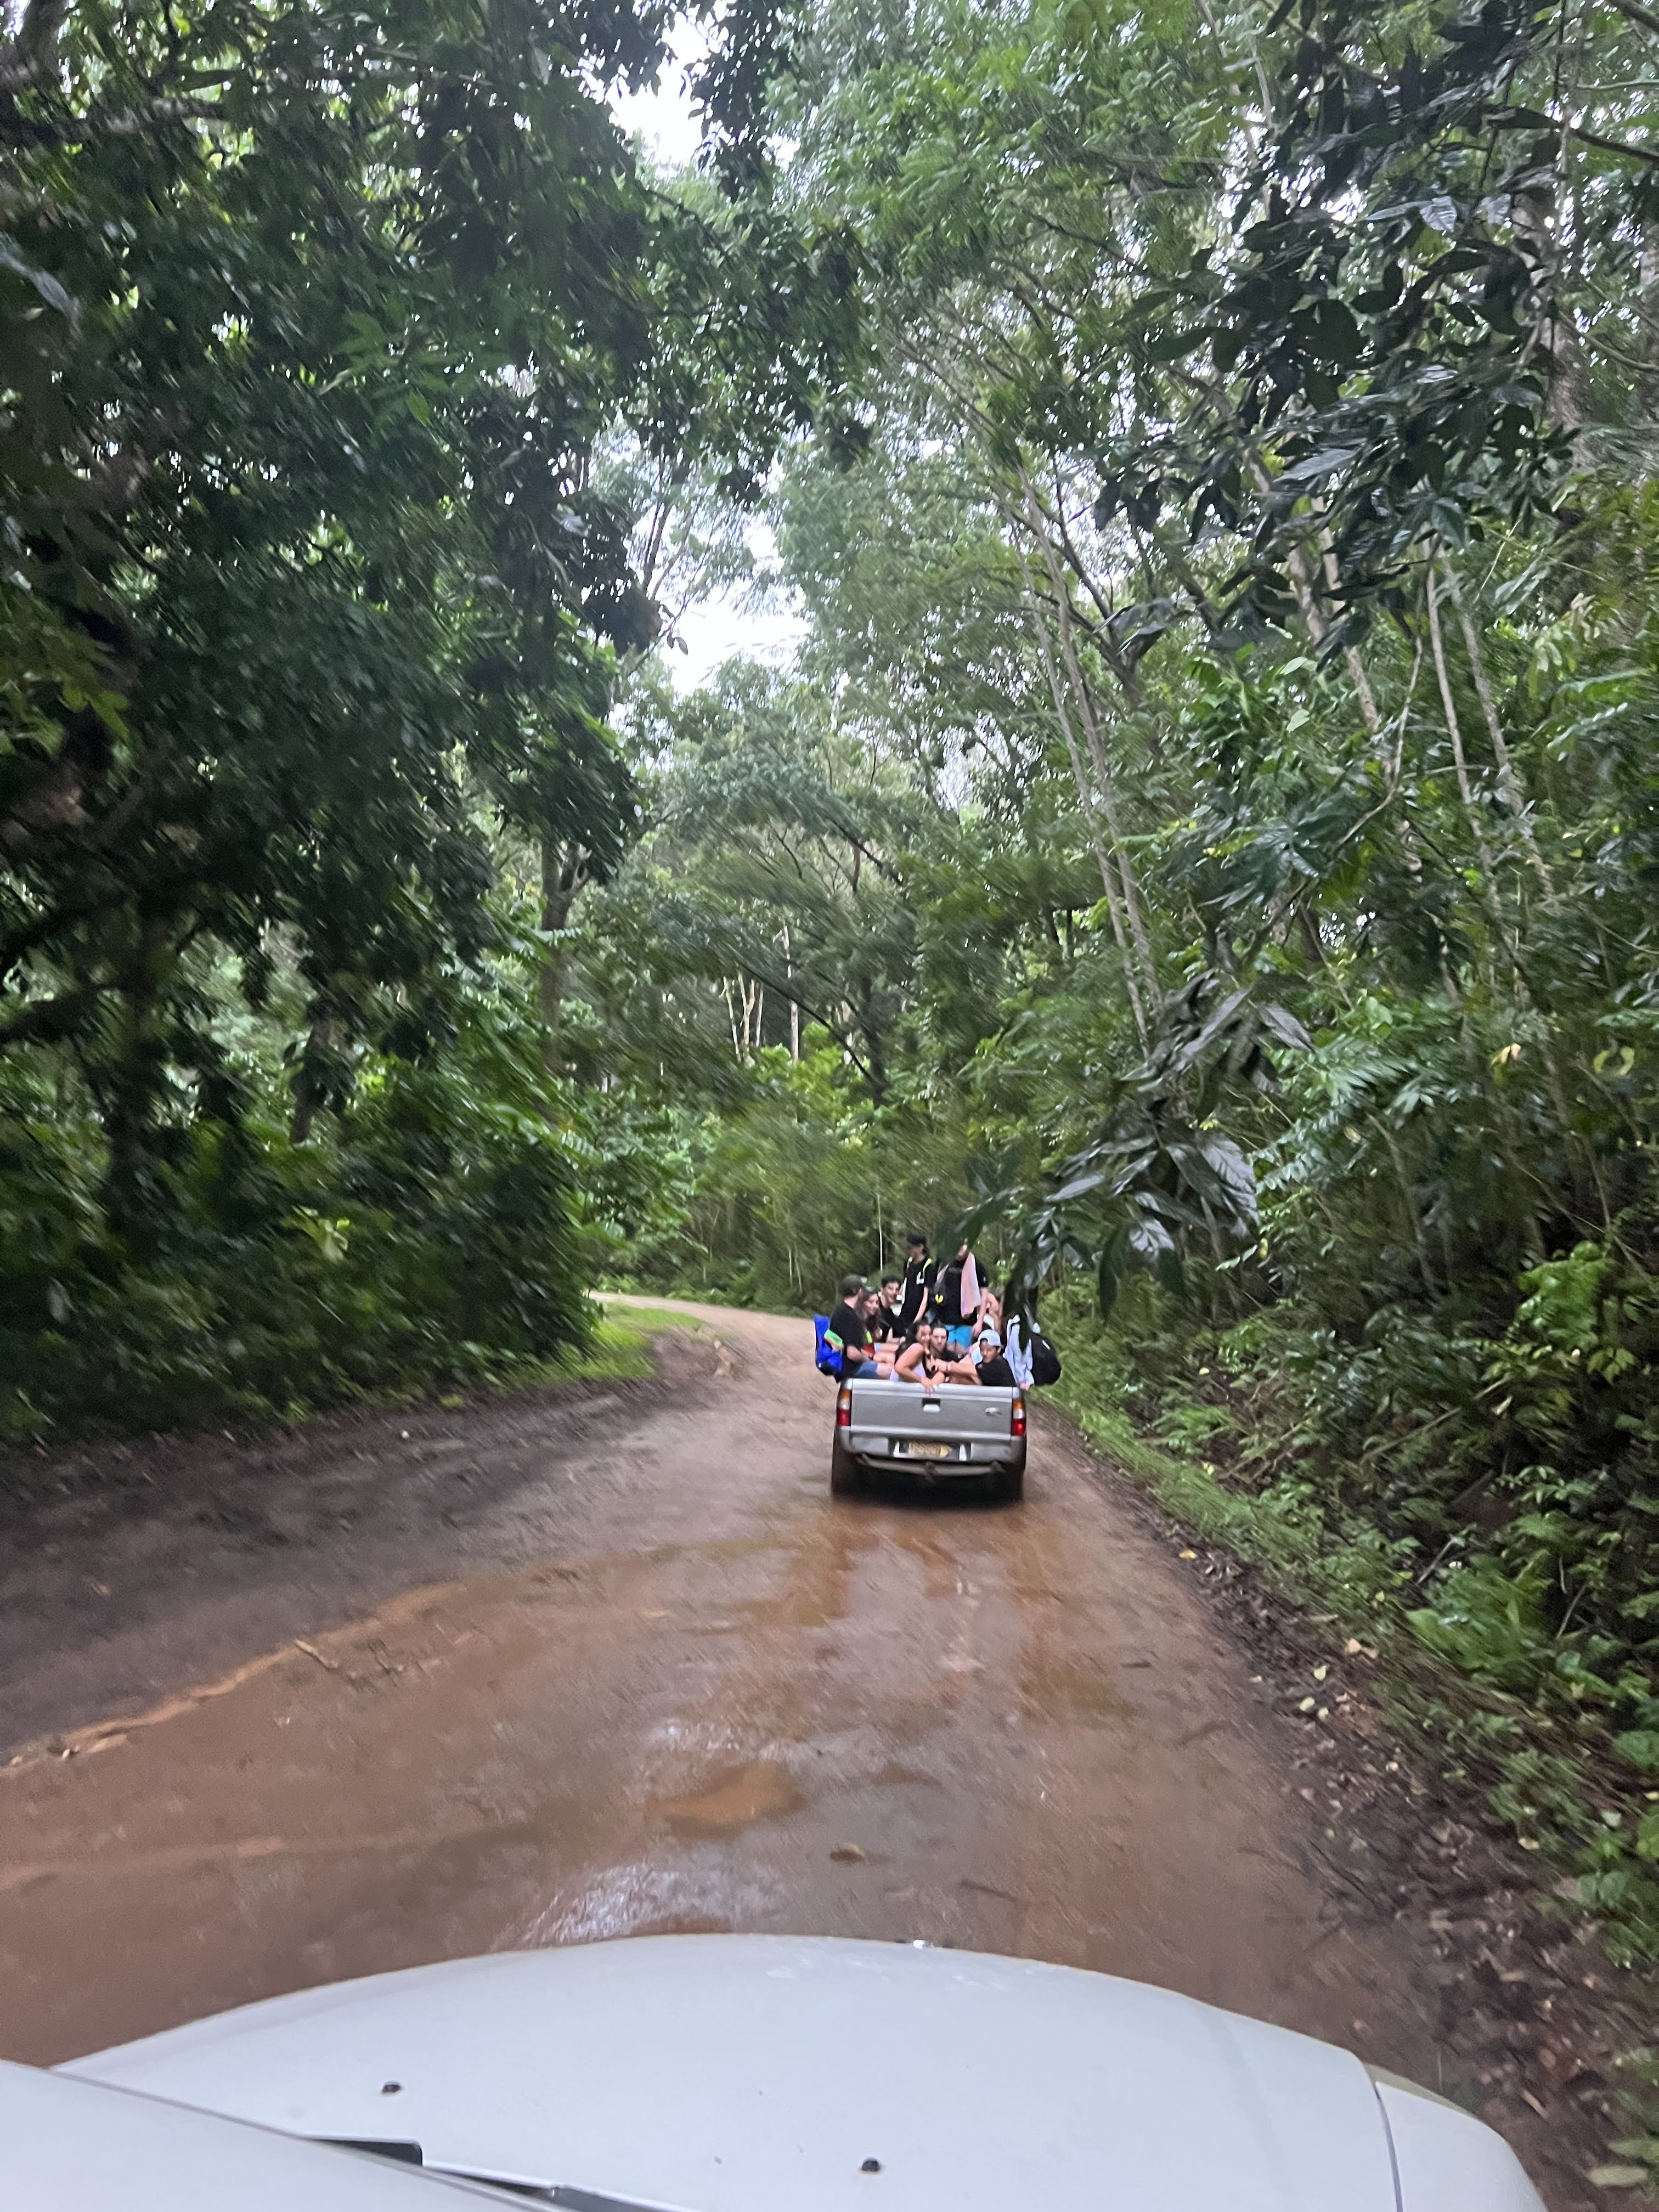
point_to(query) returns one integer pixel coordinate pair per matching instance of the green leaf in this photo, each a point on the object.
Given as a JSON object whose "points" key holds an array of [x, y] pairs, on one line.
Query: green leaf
{"points": [[1079, 1186], [1176, 345], [1640, 1746], [1284, 1026]]}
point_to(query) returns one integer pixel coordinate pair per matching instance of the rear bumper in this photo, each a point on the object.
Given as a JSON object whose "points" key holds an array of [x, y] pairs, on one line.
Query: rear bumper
{"points": [[975, 1455]]}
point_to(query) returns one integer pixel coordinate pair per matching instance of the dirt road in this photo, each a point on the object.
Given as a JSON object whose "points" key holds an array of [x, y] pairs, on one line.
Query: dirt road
{"points": [[570, 1669]]}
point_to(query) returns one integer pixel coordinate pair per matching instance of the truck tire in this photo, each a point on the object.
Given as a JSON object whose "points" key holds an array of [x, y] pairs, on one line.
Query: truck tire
{"points": [[846, 1475], [1008, 1483]]}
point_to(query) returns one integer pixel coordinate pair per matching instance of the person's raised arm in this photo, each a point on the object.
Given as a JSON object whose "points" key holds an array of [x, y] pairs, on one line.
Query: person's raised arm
{"points": [[972, 1291]]}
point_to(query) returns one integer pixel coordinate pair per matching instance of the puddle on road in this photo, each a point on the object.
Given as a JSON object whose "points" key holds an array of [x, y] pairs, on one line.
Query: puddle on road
{"points": [[710, 1548], [642, 1898], [1070, 1687], [792, 1608], [761, 1789]]}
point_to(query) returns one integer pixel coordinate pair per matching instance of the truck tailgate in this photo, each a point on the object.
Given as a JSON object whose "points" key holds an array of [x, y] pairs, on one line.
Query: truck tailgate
{"points": [[889, 1417]]}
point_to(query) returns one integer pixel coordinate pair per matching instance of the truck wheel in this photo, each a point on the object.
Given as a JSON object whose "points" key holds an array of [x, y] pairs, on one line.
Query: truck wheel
{"points": [[1008, 1484], [846, 1475]]}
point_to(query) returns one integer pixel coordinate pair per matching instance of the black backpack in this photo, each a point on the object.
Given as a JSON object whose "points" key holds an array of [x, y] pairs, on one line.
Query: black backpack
{"points": [[1045, 1360]]}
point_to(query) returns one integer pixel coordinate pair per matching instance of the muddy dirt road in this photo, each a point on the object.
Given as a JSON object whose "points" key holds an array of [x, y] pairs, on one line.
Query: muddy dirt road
{"points": [[578, 1668]]}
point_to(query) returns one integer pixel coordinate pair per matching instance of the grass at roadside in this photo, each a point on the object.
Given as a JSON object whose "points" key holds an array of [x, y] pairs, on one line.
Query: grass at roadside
{"points": [[619, 1350], [647, 1318], [617, 1353], [703, 1293], [1284, 1537], [1536, 1763]]}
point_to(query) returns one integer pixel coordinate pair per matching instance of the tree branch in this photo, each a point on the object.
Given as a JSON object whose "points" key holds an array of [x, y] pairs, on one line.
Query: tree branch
{"points": [[1613, 145], [46, 1019], [1636, 13], [32, 54]]}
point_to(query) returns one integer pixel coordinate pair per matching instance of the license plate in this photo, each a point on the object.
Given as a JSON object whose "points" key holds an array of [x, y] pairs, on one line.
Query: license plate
{"points": [[928, 1451]]}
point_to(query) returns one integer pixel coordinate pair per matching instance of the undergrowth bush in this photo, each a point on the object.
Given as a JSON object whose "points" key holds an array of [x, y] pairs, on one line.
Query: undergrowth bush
{"points": [[1515, 1651], [431, 1238]]}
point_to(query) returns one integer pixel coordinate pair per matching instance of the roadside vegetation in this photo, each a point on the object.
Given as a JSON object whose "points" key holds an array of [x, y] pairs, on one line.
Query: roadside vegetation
{"points": [[336, 343], [1204, 841]]}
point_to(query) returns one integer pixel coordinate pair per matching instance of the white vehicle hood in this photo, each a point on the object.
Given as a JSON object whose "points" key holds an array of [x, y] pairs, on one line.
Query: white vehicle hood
{"points": [[71, 2147], [763, 2074]]}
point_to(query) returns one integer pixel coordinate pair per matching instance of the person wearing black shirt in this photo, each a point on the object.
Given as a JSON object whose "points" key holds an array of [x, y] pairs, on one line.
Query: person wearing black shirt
{"points": [[847, 1331], [918, 1273], [994, 1372], [948, 1307], [885, 1323]]}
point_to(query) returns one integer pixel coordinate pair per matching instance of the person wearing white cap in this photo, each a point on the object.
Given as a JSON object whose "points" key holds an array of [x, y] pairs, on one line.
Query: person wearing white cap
{"points": [[994, 1370]]}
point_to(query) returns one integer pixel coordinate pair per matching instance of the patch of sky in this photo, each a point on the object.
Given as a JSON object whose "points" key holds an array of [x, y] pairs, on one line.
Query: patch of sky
{"points": [[756, 617]]}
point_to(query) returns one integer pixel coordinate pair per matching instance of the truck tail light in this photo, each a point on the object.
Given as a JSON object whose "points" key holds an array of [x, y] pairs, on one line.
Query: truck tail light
{"points": [[844, 1408], [1017, 1419]]}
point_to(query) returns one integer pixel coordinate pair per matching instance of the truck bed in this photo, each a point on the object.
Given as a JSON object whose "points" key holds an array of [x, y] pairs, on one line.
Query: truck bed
{"points": [[960, 1429]]}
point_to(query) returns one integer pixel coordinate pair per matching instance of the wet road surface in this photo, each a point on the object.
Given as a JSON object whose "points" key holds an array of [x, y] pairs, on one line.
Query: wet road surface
{"points": [[670, 1686]]}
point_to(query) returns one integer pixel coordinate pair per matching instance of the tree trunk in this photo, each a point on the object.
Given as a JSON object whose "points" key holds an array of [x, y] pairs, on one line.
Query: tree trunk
{"points": [[321, 1041], [1089, 723], [561, 874], [129, 1099], [1312, 944], [1453, 729], [1556, 333], [1509, 782], [794, 1007], [1086, 799], [875, 1045], [1647, 317], [1408, 1202]]}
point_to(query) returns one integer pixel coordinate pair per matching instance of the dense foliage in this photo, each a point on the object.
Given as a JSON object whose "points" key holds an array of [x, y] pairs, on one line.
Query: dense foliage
{"points": [[1208, 840], [315, 319]]}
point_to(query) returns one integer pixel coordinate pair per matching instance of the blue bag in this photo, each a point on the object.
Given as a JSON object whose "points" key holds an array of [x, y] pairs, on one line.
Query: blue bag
{"points": [[828, 1352]]}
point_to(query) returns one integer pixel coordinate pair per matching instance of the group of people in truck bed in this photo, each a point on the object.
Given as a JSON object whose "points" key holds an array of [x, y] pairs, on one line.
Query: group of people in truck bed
{"points": [[929, 1324]]}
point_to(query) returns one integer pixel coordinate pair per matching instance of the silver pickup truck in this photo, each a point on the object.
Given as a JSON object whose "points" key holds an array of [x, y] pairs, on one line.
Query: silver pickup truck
{"points": [[960, 1433]]}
